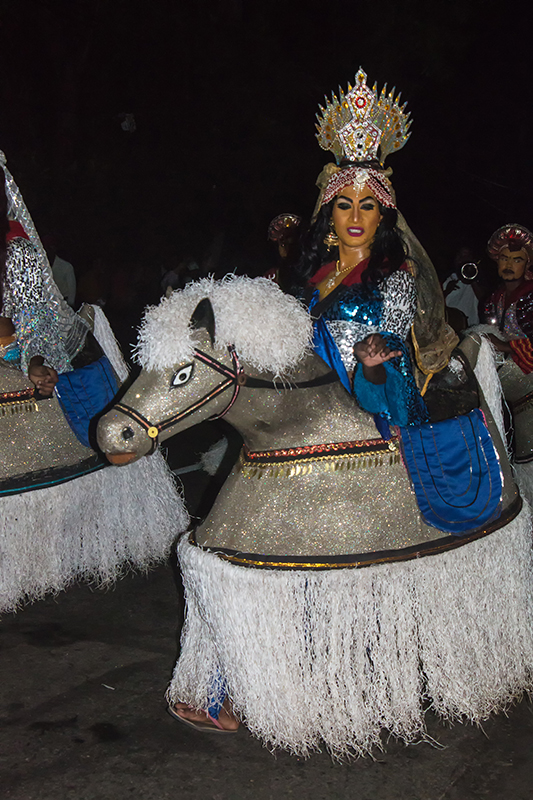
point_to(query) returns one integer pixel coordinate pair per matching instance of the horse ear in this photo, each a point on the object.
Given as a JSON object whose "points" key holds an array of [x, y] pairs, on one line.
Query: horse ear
{"points": [[204, 317]]}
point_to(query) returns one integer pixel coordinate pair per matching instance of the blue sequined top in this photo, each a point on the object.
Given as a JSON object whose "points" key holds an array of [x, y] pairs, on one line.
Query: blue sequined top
{"points": [[360, 310]]}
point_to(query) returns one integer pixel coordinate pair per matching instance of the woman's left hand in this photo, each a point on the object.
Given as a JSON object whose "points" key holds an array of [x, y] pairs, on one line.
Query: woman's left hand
{"points": [[44, 378], [373, 351]]}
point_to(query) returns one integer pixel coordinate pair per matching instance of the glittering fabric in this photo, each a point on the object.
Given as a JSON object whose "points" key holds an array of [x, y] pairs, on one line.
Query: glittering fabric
{"points": [[44, 324], [316, 513], [388, 309], [524, 314], [37, 441], [505, 319]]}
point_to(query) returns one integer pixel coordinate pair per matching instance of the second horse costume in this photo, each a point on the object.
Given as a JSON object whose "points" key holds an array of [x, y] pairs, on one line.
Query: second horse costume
{"points": [[66, 515]]}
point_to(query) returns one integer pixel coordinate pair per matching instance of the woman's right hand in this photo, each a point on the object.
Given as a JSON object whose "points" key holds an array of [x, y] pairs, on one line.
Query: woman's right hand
{"points": [[373, 351]]}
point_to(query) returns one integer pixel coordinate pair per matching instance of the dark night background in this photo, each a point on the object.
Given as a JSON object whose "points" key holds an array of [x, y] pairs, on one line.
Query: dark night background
{"points": [[224, 95]]}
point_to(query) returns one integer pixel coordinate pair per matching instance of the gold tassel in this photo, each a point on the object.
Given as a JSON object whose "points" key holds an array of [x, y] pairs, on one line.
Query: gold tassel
{"points": [[27, 406], [426, 383]]}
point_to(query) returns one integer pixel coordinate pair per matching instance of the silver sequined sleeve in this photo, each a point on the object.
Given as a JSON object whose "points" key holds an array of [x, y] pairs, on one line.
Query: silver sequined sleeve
{"points": [[399, 304], [44, 324], [399, 307], [346, 334]]}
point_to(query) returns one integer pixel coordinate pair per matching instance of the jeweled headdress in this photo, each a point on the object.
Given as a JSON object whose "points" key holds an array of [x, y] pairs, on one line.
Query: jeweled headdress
{"points": [[513, 236], [361, 126]]}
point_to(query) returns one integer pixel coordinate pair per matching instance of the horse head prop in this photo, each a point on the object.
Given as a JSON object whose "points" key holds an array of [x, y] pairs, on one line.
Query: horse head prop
{"points": [[198, 349]]}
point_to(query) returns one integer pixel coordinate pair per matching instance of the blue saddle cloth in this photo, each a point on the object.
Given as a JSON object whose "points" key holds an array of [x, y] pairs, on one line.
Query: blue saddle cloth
{"points": [[455, 472], [84, 393]]}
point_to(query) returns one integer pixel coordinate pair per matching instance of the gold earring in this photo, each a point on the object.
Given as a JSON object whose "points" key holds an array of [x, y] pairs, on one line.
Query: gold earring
{"points": [[331, 239]]}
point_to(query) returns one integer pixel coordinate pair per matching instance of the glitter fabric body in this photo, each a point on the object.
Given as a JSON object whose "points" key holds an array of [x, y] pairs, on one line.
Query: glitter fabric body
{"points": [[30, 442], [317, 512], [45, 325]]}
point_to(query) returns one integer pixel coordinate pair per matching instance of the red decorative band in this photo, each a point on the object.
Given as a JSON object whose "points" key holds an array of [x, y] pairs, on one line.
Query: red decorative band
{"points": [[321, 450], [16, 397], [375, 180]]}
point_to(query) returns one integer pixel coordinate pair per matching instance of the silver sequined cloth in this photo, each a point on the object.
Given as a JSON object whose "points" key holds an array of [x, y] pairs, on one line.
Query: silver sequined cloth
{"points": [[398, 311], [44, 323]]}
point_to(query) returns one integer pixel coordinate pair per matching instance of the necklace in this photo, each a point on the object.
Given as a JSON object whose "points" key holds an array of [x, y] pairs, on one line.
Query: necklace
{"points": [[331, 283]]}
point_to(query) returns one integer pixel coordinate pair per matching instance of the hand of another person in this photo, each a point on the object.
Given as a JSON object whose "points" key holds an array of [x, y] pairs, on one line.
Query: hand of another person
{"points": [[44, 378], [450, 287], [499, 344], [373, 351]]}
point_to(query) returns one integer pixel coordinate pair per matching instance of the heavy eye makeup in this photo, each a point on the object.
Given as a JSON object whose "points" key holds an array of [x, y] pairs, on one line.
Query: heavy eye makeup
{"points": [[345, 204]]}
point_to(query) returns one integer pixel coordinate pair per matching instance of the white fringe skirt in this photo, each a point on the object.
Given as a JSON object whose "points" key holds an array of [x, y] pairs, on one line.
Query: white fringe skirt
{"points": [[336, 657], [92, 528]]}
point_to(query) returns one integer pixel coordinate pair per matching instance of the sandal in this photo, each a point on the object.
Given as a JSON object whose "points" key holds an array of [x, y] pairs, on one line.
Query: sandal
{"points": [[210, 726]]}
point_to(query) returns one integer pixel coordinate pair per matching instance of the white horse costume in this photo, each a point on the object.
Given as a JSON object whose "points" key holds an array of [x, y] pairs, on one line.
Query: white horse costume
{"points": [[313, 648], [516, 388], [65, 515]]}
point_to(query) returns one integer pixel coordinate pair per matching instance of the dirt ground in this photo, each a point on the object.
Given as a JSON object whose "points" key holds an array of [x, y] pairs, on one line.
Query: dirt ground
{"points": [[82, 717]]}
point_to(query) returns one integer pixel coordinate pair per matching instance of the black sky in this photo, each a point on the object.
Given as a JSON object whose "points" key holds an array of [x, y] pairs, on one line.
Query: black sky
{"points": [[224, 96]]}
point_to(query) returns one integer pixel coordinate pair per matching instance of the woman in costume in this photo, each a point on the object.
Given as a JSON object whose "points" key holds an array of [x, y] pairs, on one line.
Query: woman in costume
{"points": [[39, 332], [54, 378], [359, 265]]}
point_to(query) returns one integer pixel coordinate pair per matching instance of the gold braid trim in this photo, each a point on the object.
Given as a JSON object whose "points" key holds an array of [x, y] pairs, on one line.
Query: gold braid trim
{"points": [[328, 463], [17, 403]]}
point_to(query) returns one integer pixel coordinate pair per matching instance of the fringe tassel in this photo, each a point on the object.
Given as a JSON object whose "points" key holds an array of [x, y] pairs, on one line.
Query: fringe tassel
{"points": [[27, 406], [337, 464], [94, 528], [336, 657]]}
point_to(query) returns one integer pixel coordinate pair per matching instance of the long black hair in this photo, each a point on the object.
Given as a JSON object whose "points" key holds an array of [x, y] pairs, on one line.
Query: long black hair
{"points": [[387, 253], [4, 228]]}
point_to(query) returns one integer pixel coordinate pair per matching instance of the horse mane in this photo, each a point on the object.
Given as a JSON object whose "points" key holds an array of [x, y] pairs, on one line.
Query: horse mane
{"points": [[270, 330]]}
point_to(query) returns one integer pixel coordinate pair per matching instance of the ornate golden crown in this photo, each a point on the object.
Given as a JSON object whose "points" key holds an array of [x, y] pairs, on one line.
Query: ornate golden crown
{"points": [[359, 122]]}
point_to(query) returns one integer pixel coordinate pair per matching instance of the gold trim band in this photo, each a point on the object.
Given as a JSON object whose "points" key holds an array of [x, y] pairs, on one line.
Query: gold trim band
{"points": [[329, 463]]}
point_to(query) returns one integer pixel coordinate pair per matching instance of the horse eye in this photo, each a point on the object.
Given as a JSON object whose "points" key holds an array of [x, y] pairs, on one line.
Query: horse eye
{"points": [[182, 375]]}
